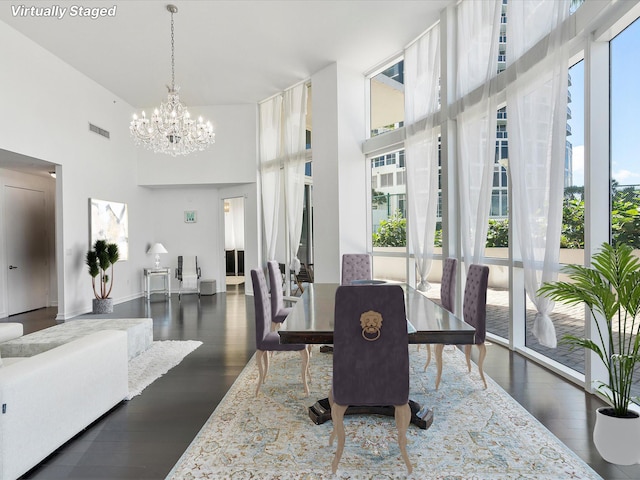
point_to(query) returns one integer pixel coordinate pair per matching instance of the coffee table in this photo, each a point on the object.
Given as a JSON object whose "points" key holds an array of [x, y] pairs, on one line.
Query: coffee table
{"points": [[139, 336]]}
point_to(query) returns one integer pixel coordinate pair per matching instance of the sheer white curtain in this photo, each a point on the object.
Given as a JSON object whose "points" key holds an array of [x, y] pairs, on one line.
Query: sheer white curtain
{"points": [[294, 149], [421, 77], [537, 118], [478, 29], [270, 144]]}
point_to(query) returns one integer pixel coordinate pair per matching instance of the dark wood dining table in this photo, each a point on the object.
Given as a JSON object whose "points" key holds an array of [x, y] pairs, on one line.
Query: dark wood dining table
{"points": [[311, 322]]}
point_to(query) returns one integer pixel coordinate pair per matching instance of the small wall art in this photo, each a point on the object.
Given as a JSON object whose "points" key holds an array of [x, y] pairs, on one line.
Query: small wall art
{"points": [[190, 216]]}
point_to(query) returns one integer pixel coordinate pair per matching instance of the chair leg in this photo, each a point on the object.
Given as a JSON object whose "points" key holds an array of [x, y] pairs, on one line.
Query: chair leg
{"points": [[260, 355], [403, 418], [467, 354], [309, 363], [337, 417], [439, 349], [428, 356], [304, 353], [482, 348], [332, 435]]}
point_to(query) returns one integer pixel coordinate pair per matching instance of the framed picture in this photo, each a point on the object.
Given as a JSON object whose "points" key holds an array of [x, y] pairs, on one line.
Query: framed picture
{"points": [[190, 216], [110, 222]]}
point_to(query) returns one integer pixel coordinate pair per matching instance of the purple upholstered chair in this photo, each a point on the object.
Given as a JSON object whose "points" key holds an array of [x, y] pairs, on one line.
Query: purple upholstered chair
{"points": [[278, 311], [266, 340], [370, 357], [448, 301], [355, 266], [474, 312]]}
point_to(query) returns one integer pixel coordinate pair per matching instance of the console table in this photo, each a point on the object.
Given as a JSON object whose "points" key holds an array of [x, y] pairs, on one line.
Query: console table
{"points": [[149, 273]]}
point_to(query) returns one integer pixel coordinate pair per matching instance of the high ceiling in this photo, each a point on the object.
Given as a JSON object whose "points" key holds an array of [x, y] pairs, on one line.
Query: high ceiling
{"points": [[227, 51]]}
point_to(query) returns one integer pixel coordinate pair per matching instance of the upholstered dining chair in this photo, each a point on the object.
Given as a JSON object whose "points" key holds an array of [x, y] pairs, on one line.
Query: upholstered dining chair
{"points": [[278, 311], [267, 340], [474, 312], [370, 358], [355, 266], [448, 301]]}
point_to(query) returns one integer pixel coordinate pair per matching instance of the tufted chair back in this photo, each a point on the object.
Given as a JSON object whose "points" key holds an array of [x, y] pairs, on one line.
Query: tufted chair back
{"points": [[278, 311], [474, 308], [355, 266], [448, 284], [262, 305]]}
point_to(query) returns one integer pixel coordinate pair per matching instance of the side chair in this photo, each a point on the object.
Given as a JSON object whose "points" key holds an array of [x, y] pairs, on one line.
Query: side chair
{"points": [[448, 301], [355, 266], [267, 340], [474, 312], [370, 358], [278, 311]]}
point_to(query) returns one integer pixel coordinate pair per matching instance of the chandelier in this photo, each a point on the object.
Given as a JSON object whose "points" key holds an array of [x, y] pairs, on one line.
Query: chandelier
{"points": [[170, 129]]}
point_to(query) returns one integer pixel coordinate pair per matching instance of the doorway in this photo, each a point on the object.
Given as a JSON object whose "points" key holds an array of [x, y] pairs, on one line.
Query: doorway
{"points": [[234, 241], [27, 249]]}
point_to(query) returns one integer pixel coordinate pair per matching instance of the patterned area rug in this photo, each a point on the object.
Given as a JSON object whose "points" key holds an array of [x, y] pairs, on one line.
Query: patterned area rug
{"points": [[157, 360], [476, 433]]}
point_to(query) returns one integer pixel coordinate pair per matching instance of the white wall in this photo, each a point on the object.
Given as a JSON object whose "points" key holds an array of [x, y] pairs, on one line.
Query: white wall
{"points": [[179, 238], [47, 106], [232, 159]]}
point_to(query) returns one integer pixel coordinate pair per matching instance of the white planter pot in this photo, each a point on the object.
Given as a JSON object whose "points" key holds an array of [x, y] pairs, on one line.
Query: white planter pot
{"points": [[617, 439]]}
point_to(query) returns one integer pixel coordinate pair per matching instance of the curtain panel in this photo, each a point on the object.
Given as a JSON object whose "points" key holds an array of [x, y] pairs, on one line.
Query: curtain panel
{"points": [[422, 76], [270, 145], [478, 29], [294, 133], [537, 116]]}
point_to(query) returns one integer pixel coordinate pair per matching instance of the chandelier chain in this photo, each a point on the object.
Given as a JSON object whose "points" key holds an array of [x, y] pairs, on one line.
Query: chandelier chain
{"points": [[173, 65]]}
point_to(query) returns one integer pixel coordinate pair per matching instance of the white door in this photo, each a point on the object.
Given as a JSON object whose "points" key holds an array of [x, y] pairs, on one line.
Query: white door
{"points": [[27, 259]]}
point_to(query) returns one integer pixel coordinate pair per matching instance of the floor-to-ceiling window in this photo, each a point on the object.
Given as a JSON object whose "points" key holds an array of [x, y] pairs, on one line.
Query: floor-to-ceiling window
{"points": [[509, 314], [625, 160], [569, 320], [389, 215]]}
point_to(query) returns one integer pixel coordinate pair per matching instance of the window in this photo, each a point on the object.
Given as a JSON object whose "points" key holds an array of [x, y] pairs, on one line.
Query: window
{"points": [[625, 167], [401, 178], [387, 99], [386, 180]]}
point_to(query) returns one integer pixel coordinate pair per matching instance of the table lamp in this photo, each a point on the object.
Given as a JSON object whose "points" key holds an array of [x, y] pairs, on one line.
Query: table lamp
{"points": [[157, 249]]}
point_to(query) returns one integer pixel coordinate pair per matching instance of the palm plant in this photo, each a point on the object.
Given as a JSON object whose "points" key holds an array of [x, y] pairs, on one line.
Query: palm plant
{"points": [[99, 259], [611, 289]]}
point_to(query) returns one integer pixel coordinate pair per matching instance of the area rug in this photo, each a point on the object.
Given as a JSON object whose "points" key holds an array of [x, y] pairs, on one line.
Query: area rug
{"points": [[157, 360], [476, 433]]}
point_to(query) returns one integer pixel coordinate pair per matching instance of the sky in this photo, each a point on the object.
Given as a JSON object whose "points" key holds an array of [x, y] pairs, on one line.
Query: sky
{"points": [[625, 103]]}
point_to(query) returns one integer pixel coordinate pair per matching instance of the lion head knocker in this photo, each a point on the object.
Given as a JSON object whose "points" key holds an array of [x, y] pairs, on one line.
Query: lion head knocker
{"points": [[371, 323]]}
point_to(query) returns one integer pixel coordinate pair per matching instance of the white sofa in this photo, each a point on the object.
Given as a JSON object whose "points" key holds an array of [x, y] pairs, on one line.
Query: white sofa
{"points": [[10, 331], [47, 399]]}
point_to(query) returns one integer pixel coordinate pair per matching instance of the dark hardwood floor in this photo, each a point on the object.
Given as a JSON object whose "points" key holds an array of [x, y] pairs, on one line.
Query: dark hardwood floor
{"points": [[145, 437]]}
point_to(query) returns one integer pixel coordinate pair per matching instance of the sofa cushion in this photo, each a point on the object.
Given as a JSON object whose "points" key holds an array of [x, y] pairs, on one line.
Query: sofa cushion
{"points": [[10, 331]]}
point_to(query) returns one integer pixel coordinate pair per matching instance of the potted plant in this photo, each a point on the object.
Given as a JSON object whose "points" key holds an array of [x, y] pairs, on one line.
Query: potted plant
{"points": [[99, 259], [611, 292]]}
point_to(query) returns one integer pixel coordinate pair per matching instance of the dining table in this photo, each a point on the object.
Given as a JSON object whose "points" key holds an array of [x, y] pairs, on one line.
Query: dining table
{"points": [[311, 321]]}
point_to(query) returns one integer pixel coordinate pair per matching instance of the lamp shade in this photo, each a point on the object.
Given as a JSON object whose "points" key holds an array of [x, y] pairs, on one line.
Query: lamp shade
{"points": [[157, 248]]}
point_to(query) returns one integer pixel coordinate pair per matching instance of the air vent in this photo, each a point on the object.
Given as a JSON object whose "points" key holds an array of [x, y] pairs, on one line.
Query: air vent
{"points": [[100, 131]]}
